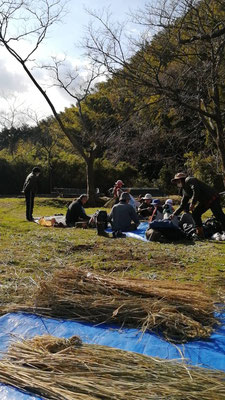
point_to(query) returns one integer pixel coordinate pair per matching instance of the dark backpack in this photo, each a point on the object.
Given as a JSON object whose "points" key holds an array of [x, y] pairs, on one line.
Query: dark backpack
{"points": [[101, 216], [166, 230], [212, 226]]}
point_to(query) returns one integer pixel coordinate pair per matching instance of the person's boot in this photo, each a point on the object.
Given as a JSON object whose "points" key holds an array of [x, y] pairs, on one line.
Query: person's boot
{"points": [[200, 232], [118, 234], [101, 229]]}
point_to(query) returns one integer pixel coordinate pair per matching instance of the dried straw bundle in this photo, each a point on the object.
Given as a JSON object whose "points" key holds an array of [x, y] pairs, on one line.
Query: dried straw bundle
{"points": [[180, 312], [91, 372]]}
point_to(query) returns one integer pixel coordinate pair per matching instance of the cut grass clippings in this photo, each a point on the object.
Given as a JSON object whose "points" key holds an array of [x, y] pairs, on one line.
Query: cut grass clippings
{"points": [[180, 312], [66, 369]]}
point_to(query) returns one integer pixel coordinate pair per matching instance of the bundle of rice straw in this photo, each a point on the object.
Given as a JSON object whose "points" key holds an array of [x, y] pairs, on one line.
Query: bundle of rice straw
{"points": [[66, 369], [180, 312]]}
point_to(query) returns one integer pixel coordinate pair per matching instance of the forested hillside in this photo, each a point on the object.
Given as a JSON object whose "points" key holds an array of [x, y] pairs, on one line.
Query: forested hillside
{"points": [[160, 109]]}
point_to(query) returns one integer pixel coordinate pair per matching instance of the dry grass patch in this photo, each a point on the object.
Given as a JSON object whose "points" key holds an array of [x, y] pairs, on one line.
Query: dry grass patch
{"points": [[180, 312], [66, 369], [29, 252]]}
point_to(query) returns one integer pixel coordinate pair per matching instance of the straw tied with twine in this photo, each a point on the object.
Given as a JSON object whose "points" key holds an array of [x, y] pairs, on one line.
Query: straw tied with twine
{"points": [[180, 312], [66, 369]]}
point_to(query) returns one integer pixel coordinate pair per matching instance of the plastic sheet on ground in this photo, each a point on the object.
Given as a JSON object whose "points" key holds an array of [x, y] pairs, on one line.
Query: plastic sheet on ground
{"points": [[10, 393], [139, 233], [208, 353], [59, 219]]}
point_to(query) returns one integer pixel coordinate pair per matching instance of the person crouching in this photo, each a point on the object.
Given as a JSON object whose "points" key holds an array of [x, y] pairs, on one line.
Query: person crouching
{"points": [[201, 196]]}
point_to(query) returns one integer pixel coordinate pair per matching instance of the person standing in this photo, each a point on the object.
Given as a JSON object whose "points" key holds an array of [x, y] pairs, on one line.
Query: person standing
{"points": [[30, 188], [201, 196]]}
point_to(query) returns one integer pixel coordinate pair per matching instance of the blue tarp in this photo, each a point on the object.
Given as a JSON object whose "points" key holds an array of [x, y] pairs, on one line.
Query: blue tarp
{"points": [[208, 354], [139, 233], [10, 393]]}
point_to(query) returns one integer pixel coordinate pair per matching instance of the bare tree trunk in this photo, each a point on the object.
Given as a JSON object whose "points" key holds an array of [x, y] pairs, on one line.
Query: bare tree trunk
{"points": [[90, 179], [216, 132], [50, 177], [221, 148], [219, 123]]}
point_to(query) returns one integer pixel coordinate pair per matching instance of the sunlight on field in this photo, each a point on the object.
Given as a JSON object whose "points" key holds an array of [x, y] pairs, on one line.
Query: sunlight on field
{"points": [[28, 252]]}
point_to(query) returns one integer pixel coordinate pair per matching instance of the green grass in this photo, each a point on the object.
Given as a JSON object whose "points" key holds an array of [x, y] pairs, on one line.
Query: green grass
{"points": [[29, 252]]}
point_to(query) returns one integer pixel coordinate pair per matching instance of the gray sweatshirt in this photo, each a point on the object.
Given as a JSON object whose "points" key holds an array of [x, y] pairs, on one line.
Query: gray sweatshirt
{"points": [[122, 214]]}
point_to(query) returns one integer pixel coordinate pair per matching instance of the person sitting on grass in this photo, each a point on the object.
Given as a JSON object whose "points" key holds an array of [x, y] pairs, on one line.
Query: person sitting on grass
{"points": [[157, 213], [117, 190], [122, 215], [168, 210], [133, 202], [146, 208], [75, 212], [186, 217]]}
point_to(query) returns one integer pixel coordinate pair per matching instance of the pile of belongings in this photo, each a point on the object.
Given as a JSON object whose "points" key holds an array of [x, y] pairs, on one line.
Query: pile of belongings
{"points": [[166, 230]]}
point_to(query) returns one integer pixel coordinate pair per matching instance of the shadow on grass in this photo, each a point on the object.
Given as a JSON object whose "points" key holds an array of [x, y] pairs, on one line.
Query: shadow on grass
{"points": [[58, 203]]}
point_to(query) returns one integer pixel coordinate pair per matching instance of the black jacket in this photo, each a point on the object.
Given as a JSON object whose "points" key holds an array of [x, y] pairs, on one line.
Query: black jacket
{"points": [[30, 184], [145, 210], [76, 213], [196, 191]]}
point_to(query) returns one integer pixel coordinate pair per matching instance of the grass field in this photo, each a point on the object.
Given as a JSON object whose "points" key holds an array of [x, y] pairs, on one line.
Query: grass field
{"points": [[29, 252]]}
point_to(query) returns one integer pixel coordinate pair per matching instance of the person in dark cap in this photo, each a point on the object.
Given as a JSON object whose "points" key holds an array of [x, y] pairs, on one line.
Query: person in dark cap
{"points": [[201, 197], [122, 215], [30, 188], [157, 213], [75, 212]]}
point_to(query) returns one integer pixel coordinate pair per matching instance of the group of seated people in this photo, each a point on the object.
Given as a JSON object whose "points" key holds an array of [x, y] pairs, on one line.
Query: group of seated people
{"points": [[124, 215]]}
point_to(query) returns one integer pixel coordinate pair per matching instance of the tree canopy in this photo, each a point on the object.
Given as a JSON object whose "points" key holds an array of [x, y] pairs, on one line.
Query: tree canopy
{"points": [[162, 102]]}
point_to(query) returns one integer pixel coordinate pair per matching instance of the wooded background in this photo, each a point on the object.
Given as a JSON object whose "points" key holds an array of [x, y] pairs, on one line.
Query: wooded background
{"points": [[159, 110]]}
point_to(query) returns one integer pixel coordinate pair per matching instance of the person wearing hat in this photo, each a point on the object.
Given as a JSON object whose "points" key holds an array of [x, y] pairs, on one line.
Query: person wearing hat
{"points": [[117, 190], [168, 208], [30, 188], [201, 197], [145, 209], [157, 213], [123, 217]]}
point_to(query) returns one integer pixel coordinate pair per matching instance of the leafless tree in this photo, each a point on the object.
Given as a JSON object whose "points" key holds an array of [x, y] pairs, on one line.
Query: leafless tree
{"points": [[27, 20], [79, 86]]}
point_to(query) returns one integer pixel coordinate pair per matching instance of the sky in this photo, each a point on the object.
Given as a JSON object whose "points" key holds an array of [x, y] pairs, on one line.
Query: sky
{"points": [[18, 96]]}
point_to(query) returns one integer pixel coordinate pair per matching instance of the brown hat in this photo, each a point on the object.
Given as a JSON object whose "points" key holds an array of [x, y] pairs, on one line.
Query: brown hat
{"points": [[179, 175]]}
